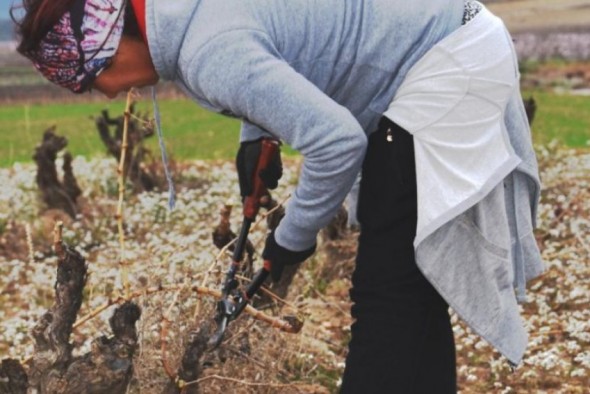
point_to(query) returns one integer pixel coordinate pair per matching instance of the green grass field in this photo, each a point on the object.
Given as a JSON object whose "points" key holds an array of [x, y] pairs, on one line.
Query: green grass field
{"points": [[561, 117], [190, 132], [193, 133]]}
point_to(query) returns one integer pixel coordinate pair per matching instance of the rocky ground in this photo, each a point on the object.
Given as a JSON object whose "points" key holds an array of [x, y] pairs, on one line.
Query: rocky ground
{"points": [[542, 15], [547, 29], [172, 249]]}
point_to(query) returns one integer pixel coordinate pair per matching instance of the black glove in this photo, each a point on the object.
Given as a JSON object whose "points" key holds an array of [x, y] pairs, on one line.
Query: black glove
{"points": [[246, 162], [280, 257]]}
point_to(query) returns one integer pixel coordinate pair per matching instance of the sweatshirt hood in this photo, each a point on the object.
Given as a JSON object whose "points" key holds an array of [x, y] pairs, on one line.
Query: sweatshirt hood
{"points": [[166, 24]]}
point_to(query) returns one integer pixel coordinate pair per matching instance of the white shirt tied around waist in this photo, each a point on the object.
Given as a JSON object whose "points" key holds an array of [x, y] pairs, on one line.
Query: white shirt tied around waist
{"points": [[453, 102]]}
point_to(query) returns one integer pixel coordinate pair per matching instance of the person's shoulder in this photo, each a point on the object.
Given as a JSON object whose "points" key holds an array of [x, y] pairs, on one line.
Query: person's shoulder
{"points": [[233, 45], [224, 61], [221, 25]]}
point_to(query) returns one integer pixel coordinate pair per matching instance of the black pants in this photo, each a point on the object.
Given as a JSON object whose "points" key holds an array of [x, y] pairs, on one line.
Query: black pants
{"points": [[402, 341]]}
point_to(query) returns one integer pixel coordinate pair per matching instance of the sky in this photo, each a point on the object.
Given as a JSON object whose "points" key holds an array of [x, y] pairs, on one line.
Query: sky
{"points": [[4, 7]]}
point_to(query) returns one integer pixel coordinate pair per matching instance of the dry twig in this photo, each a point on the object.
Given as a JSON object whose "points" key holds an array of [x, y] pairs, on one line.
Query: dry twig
{"points": [[243, 382], [164, 335], [121, 180], [201, 290]]}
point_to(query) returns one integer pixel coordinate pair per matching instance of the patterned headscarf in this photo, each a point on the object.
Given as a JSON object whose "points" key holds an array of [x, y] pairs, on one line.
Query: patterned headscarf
{"points": [[81, 44]]}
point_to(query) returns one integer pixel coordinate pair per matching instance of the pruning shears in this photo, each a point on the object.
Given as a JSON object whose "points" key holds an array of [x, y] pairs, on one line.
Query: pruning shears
{"points": [[233, 300]]}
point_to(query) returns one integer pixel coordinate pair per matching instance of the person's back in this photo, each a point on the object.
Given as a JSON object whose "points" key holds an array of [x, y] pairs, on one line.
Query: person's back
{"points": [[350, 50]]}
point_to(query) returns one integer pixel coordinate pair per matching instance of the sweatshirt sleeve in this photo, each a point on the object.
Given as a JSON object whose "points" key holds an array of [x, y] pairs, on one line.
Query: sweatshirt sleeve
{"points": [[251, 132], [242, 71]]}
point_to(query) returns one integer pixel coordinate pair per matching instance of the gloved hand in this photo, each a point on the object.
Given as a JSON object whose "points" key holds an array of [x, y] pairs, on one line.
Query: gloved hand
{"points": [[246, 162], [280, 257]]}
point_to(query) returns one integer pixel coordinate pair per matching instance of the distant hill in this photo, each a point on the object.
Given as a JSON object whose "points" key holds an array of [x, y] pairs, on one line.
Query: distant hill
{"points": [[6, 30]]}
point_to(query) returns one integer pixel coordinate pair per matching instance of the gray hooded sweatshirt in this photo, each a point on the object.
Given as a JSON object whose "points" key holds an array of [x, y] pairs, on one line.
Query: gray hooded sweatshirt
{"points": [[319, 75]]}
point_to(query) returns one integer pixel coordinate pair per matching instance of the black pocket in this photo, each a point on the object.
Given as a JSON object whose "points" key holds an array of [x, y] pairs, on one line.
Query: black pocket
{"points": [[388, 181]]}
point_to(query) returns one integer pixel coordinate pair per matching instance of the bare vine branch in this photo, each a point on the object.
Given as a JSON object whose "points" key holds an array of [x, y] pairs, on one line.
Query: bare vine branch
{"points": [[121, 181], [164, 335]]}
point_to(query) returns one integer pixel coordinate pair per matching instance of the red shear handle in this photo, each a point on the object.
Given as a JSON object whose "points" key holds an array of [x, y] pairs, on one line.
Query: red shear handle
{"points": [[252, 202]]}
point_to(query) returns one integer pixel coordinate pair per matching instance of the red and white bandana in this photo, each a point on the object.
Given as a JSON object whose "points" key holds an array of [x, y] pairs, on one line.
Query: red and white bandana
{"points": [[81, 44]]}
